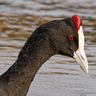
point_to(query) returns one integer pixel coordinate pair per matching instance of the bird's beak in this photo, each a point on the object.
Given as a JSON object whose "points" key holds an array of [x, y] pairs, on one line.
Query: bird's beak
{"points": [[81, 59], [80, 55]]}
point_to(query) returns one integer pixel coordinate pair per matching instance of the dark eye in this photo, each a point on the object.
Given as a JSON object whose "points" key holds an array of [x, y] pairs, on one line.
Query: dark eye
{"points": [[70, 37]]}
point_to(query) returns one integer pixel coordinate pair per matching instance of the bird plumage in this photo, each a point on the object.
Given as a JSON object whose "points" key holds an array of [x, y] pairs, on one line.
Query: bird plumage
{"points": [[48, 39]]}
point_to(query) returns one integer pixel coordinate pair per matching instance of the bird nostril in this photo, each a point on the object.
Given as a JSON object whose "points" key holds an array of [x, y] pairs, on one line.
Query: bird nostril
{"points": [[82, 57]]}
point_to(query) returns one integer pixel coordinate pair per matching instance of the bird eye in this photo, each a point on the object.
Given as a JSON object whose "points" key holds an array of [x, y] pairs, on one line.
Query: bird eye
{"points": [[70, 37]]}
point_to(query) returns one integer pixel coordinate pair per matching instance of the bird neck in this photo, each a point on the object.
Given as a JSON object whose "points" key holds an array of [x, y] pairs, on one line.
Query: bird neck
{"points": [[17, 79]]}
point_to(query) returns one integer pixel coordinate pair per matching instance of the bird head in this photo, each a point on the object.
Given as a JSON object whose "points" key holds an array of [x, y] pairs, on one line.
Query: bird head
{"points": [[73, 41]]}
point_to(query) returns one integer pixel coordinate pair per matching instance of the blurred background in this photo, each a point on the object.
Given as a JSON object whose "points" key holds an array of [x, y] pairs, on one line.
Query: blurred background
{"points": [[60, 75]]}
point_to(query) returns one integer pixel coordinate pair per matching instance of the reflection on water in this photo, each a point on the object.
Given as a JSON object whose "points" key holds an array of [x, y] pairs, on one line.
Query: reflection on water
{"points": [[60, 75]]}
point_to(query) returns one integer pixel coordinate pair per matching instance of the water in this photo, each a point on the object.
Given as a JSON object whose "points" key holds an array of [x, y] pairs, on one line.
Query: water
{"points": [[60, 75]]}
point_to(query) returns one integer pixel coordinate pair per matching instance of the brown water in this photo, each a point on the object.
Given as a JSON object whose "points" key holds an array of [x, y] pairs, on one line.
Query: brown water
{"points": [[60, 75]]}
